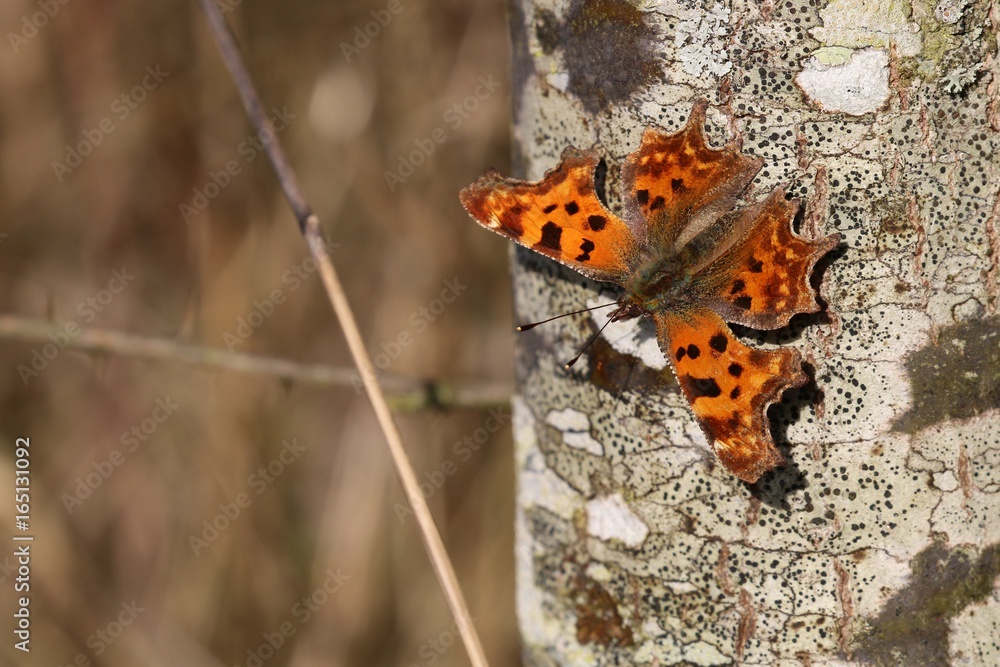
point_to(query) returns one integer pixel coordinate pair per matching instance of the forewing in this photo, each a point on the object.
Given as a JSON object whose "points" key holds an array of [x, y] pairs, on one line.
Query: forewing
{"points": [[559, 216], [675, 185], [729, 386]]}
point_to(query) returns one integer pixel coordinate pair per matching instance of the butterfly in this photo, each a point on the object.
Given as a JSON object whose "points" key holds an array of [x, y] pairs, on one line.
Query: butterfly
{"points": [[687, 257]]}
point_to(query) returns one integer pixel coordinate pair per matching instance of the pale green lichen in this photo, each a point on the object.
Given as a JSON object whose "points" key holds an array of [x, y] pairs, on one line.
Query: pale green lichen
{"points": [[940, 43], [861, 23], [700, 42], [833, 55]]}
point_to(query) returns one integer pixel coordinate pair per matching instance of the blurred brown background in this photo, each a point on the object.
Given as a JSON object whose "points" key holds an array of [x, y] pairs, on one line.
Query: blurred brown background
{"points": [[117, 122]]}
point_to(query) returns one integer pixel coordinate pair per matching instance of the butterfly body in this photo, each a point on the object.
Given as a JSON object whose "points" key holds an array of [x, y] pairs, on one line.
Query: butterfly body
{"points": [[663, 284], [688, 258]]}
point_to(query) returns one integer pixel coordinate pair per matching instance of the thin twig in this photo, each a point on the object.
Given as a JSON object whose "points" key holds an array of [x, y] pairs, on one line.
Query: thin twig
{"points": [[405, 394], [309, 225]]}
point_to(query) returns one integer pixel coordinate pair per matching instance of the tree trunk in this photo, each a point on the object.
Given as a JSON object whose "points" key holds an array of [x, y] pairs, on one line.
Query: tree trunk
{"points": [[879, 541]]}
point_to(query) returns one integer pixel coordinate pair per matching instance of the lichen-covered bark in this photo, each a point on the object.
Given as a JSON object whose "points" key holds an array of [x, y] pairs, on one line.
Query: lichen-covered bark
{"points": [[878, 543]]}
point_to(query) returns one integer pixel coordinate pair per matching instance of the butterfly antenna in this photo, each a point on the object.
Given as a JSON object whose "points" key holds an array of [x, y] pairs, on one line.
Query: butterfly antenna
{"points": [[569, 364], [525, 327]]}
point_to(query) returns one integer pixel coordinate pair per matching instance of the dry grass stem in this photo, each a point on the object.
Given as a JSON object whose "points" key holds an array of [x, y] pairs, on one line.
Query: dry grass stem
{"points": [[309, 225]]}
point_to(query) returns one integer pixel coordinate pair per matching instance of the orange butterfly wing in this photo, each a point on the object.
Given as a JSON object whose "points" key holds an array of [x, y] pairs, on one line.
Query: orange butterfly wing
{"points": [[678, 184], [559, 216], [762, 280], [729, 386]]}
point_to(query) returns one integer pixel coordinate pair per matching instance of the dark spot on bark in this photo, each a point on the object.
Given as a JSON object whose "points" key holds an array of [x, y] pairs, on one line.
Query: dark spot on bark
{"points": [[601, 181], [681, 351], [702, 387], [522, 67], [547, 30], [607, 370], [956, 378], [756, 266], [585, 249], [609, 47], [642, 196], [656, 204], [551, 236], [677, 185], [735, 370], [913, 627], [735, 393], [551, 207], [738, 286], [693, 351], [597, 222], [719, 342], [597, 617], [572, 208], [744, 302]]}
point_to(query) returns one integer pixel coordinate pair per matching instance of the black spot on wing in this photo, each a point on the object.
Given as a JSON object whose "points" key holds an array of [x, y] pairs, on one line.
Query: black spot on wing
{"points": [[657, 204], [738, 286], [756, 266], [735, 393], [681, 351], [693, 351], [551, 236], [551, 207], [744, 302], [735, 370], [642, 196], [585, 249], [719, 342], [677, 185], [572, 208], [701, 387], [597, 222]]}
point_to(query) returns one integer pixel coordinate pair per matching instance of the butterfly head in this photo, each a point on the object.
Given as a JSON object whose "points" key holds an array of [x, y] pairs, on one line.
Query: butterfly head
{"points": [[628, 308]]}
